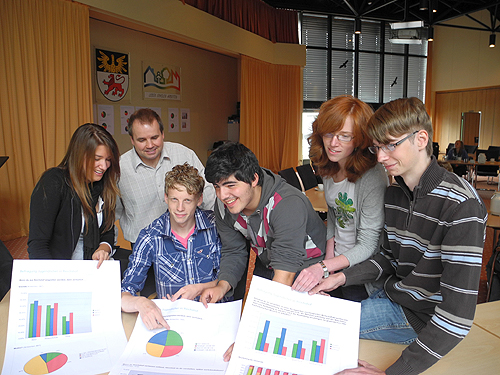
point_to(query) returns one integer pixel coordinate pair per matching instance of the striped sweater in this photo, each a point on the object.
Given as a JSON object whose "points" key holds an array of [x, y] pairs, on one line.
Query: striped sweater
{"points": [[430, 261]]}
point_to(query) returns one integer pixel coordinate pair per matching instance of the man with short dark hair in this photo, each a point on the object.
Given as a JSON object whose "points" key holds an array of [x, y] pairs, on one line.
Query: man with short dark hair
{"points": [[143, 169], [431, 256], [258, 206]]}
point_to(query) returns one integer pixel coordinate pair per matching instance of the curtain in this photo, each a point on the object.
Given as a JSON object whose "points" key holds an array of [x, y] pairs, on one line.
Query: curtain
{"points": [[45, 70], [270, 115], [276, 25]]}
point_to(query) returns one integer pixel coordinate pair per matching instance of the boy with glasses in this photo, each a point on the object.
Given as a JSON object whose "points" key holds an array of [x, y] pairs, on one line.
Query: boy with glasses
{"points": [[431, 255]]}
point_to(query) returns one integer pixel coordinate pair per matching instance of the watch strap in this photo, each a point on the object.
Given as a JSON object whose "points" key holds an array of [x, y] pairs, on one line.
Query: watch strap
{"points": [[326, 273]]}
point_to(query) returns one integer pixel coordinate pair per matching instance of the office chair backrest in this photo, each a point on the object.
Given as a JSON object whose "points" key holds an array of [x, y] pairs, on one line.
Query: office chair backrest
{"points": [[291, 177], [471, 149], [450, 146], [435, 149], [307, 176], [493, 152]]}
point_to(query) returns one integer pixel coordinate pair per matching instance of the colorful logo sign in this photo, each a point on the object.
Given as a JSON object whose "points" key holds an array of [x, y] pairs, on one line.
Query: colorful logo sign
{"points": [[161, 81]]}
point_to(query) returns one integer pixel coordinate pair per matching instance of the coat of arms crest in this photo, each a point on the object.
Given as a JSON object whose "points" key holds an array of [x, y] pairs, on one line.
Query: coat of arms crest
{"points": [[112, 74]]}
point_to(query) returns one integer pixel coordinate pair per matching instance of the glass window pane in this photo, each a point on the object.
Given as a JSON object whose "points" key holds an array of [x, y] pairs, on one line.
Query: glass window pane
{"points": [[393, 77], [419, 49], [369, 39], [368, 79], [315, 30], [307, 120], [417, 67], [315, 75], [342, 33], [342, 73]]}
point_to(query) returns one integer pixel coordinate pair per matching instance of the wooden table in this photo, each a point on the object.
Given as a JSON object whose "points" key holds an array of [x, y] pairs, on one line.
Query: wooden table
{"points": [[317, 198], [487, 317], [4, 317], [128, 321], [476, 354], [493, 222], [473, 167]]}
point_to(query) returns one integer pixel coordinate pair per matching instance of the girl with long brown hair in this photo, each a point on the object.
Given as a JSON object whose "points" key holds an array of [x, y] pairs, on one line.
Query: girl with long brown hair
{"points": [[354, 185], [72, 209]]}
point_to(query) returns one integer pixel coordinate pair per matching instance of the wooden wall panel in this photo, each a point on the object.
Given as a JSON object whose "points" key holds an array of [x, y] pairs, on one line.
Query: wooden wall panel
{"points": [[495, 105], [468, 102], [448, 114], [447, 118], [485, 104]]}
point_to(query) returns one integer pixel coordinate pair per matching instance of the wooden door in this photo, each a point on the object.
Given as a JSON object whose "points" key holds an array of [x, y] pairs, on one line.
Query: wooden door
{"points": [[470, 127]]}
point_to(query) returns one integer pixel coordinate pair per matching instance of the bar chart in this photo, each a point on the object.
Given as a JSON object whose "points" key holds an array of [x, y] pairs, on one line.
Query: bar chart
{"points": [[286, 338], [259, 370], [55, 314]]}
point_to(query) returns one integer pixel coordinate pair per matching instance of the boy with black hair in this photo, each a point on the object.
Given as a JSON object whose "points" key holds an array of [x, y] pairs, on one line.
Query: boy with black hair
{"points": [[258, 206]]}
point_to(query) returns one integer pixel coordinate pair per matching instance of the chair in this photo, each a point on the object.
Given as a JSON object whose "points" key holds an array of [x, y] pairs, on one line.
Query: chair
{"points": [[435, 149], [307, 176], [6, 262], [493, 152], [471, 149], [450, 146], [290, 176]]}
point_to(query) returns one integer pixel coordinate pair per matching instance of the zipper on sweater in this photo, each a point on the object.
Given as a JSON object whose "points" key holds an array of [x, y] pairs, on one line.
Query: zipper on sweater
{"points": [[412, 205]]}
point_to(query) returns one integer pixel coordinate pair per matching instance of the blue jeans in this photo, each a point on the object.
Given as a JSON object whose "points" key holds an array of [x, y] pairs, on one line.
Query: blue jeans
{"points": [[384, 320]]}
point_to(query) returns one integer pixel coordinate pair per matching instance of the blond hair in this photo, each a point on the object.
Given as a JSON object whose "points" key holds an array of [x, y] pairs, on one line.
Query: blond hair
{"points": [[187, 176]]}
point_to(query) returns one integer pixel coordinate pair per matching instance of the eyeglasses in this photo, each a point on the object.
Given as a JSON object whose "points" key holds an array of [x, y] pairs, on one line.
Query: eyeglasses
{"points": [[391, 146], [340, 137]]}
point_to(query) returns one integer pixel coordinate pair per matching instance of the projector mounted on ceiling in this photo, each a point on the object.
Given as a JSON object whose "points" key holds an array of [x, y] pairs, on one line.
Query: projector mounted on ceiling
{"points": [[407, 32]]}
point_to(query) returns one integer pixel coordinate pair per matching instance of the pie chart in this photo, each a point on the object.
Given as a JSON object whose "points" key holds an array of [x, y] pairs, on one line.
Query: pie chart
{"points": [[164, 344], [45, 363]]}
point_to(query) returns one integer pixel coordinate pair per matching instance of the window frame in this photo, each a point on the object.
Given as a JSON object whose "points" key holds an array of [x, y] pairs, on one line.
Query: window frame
{"points": [[382, 52]]}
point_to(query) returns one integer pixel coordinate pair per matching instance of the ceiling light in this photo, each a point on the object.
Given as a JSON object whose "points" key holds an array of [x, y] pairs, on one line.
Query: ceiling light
{"points": [[357, 26], [492, 40], [424, 4], [430, 33], [434, 5]]}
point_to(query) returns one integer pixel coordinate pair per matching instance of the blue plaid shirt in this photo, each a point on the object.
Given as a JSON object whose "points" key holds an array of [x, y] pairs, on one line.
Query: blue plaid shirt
{"points": [[174, 265]]}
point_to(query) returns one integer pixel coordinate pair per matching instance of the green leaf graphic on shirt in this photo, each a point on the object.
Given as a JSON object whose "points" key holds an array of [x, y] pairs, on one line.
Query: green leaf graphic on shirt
{"points": [[344, 209]]}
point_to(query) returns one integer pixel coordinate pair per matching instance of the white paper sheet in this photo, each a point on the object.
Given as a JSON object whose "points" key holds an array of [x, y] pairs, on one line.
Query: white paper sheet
{"points": [[324, 331], [73, 292], [195, 344]]}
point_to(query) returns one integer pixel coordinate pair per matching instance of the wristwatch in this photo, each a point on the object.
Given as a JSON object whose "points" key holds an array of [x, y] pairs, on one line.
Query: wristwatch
{"points": [[325, 269]]}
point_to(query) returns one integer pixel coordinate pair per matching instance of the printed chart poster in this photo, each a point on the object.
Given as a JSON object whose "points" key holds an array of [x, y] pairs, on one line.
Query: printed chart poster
{"points": [[64, 318], [195, 343], [173, 120], [287, 332], [185, 120], [125, 113], [112, 74], [161, 81], [106, 117]]}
